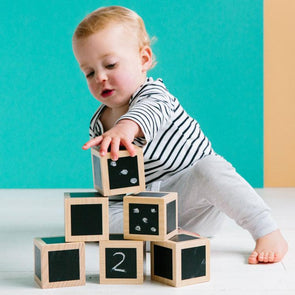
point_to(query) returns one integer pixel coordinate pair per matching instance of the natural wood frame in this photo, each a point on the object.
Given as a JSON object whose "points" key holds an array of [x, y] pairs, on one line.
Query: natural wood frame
{"points": [[105, 189], [161, 202], [176, 248], [140, 257], [68, 202], [44, 249]]}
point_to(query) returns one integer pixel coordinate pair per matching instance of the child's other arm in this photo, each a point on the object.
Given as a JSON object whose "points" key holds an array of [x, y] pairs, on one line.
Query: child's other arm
{"points": [[123, 133]]}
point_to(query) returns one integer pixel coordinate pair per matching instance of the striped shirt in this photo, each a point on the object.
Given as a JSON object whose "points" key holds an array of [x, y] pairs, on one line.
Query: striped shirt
{"points": [[172, 142]]}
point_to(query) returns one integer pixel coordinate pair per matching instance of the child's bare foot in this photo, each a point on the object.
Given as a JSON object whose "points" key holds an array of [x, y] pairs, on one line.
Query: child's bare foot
{"points": [[269, 248]]}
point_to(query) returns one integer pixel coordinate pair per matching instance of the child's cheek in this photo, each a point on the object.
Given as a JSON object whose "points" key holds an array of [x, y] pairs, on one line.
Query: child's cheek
{"points": [[121, 78], [126, 80], [93, 89]]}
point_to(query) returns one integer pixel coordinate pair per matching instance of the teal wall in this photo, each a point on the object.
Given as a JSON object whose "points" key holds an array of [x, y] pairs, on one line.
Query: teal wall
{"points": [[209, 54]]}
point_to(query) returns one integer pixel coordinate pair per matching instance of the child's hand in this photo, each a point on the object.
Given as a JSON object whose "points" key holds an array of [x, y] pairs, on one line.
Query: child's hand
{"points": [[122, 133]]}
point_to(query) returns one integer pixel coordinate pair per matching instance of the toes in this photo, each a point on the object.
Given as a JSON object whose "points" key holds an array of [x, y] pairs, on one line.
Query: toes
{"points": [[268, 257], [261, 257], [265, 257], [271, 257], [253, 258]]}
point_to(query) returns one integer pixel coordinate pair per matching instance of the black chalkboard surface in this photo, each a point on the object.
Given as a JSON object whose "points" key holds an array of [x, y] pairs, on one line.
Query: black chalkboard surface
{"points": [[193, 262], [163, 262], [143, 219], [64, 265], [85, 195], [86, 219], [38, 262], [116, 237], [123, 172], [121, 263], [151, 194], [171, 216], [97, 171], [183, 237], [54, 240]]}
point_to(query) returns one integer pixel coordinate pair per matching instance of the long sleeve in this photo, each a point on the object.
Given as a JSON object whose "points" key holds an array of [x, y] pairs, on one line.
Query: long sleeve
{"points": [[151, 108]]}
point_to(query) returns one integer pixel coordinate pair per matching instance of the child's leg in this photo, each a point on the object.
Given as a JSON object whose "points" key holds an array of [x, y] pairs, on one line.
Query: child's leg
{"points": [[195, 213], [212, 186], [116, 217]]}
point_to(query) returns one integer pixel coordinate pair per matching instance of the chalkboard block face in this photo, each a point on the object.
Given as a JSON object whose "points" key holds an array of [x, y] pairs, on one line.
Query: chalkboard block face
{"points": [[183, 237], [59, 264], [54, 240], [150, 216], [171, 216], [86, 219], [163, 263], [38, 262], [190, 264], [144, 219], [151, 194], [63, 265], [116, 237], [116, 198], [121, 263], [123, 173], [96, 171], [193, 261], [85, 195], [126, 175]]}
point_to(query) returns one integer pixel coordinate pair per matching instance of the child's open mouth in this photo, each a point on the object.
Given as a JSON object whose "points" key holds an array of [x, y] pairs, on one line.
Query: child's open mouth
{"points": [[107, 92]]}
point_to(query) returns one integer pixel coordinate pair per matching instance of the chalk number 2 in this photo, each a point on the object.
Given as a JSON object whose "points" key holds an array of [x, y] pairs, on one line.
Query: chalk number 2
{"points": [[116, 267]]}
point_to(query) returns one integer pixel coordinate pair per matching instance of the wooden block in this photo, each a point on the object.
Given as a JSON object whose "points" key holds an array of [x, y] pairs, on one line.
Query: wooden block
{"points": [[121, 261], [126, 175], [59, 264], [150, 216], [86, 217], [182, 260]]}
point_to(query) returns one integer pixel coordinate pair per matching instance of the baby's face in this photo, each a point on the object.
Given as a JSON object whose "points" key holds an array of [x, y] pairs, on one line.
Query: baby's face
{"points": [[113, 64]]}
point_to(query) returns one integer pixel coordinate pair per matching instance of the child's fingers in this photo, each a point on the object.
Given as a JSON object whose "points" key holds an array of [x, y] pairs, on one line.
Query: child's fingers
{"points": [[130, 148], [92, 142], [115, 146], [104, 146], [105, 141]]}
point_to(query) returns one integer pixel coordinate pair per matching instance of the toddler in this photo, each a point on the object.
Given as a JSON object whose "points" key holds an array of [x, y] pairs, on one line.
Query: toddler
{"points": [[113, 50]]}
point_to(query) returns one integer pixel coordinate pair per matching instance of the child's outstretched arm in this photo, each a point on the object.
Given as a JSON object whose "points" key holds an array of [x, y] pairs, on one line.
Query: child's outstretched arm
{"points": [[123, 133]]}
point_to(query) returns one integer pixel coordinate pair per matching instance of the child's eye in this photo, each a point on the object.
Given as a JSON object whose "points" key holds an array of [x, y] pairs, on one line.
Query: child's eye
{"points": [[111, 66], [89, 75]]}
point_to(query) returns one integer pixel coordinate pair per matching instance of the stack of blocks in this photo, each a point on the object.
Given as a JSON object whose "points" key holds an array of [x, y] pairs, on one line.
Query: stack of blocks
{"points": [[177, 258]]}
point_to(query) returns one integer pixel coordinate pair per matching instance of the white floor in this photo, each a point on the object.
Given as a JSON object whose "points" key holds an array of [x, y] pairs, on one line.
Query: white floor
{"points": [[25, 214]]}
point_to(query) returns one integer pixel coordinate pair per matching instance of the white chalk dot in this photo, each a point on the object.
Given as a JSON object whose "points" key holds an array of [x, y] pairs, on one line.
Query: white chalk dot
{"points": [[133, 180], [124, 172], [113, 163]]}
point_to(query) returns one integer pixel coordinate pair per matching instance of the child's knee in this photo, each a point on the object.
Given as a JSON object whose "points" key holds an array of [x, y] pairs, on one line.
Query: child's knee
{"points": [[213, 169]]}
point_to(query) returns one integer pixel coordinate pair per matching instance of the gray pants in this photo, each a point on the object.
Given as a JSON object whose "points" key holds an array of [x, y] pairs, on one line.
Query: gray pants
{"points": [[207, 191]]}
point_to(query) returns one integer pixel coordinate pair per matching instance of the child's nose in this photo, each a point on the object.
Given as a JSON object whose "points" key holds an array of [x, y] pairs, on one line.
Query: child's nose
{"points": [[101, 77]]}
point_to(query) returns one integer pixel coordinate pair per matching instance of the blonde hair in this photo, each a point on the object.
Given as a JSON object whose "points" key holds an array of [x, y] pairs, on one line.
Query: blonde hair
{"points": [[99, 19]]}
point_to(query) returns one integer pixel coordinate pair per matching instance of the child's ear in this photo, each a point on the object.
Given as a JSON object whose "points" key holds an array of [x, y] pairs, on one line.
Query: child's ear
{"points": [[146, 58]]}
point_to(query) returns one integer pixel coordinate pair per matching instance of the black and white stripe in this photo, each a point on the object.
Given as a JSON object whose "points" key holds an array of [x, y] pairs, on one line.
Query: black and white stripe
{"points": [[172, 142]]}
